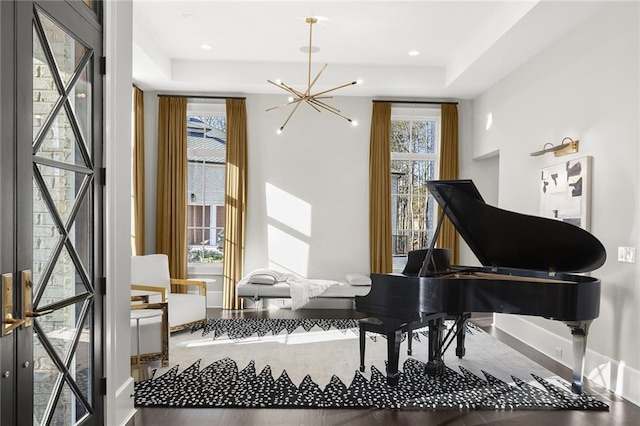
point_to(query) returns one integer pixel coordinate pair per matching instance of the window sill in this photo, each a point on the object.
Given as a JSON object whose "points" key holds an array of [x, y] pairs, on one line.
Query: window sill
{"points": [[199, 269]]}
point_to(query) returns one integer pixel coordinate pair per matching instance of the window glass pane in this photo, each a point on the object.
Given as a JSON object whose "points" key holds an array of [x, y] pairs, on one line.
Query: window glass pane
{"points": [[412, 208], [206, 153], [414, 136], [400, 136]]}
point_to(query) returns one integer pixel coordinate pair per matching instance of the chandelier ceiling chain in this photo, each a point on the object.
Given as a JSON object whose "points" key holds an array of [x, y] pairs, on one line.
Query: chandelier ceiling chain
{"points": [[314, 100]]}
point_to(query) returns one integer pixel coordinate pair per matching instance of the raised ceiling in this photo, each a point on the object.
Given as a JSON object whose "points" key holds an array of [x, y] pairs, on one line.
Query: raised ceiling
{"points": [[465, 46]]}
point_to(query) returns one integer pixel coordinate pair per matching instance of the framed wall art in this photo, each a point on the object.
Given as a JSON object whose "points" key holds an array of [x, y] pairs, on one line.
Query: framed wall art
{"points": [[565, 192]]}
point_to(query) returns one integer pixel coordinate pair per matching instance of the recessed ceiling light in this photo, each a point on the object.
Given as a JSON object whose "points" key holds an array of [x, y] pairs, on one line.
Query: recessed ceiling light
{"points": [[206, 46], [414, 53], [305, 49]]}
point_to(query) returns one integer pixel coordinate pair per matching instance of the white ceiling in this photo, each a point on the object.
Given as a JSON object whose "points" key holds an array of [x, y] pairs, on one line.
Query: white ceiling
{"points": [[465, 46]]}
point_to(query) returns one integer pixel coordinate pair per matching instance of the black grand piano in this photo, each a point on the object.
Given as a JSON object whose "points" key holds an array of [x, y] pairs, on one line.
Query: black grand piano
{"points": [[529, 268]]}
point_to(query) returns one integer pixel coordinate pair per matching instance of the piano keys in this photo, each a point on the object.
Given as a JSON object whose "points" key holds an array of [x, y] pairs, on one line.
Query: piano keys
{"points": [[529, 268]]}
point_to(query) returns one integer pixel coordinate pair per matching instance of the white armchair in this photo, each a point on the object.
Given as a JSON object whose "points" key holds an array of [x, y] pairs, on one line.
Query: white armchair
{"points": [[150, 277]]}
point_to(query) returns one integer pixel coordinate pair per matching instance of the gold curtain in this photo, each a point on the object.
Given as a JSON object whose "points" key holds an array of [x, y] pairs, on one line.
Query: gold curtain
{"points": [[138, 171], [380, 189], [235, 201], [448, 237], [171, 206]]}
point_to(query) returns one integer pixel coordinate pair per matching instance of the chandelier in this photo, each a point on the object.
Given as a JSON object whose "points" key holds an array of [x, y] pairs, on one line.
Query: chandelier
{"points": [[314, 100]]}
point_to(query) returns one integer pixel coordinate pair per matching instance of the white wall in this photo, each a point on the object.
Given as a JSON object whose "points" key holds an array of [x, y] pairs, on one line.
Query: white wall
{"points": [[308, 189], [585, 86]]}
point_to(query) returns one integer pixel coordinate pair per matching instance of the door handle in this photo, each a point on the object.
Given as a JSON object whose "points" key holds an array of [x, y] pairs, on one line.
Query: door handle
{"points": [[9, 323], [36, 314], [27, 299]]}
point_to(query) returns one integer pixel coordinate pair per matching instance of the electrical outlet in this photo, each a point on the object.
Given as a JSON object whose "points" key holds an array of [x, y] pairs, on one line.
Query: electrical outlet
{"points": [[558, 352], [627, 254]]}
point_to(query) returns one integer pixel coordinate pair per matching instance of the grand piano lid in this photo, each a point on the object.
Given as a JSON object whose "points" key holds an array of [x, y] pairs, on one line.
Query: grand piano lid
{"points": [[505, 239]]}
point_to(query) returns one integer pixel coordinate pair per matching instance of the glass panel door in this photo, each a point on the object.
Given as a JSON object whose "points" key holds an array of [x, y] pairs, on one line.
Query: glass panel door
{"points": [[63, 216], [51, 148]]}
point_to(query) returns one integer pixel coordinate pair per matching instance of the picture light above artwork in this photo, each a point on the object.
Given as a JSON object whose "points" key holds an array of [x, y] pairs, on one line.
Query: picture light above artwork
{"points": [[567, 146]]}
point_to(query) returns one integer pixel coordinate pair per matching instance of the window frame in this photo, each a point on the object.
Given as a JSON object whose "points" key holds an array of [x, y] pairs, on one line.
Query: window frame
{"points": [[205, 107], [413, 113]]}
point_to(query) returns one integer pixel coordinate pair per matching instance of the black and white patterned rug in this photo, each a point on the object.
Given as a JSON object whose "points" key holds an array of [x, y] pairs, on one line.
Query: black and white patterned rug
{"points": [[224, 384], [242, 328]]}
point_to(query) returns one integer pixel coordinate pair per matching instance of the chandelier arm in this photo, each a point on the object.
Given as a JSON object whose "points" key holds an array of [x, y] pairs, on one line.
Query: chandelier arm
{"points": [[323, 105], [289, 117], [335, 88], [310, 102], [339, 115], [287, 88], [316, 79], [293, 91], [276, 84], [333, 110], [284, 104]]}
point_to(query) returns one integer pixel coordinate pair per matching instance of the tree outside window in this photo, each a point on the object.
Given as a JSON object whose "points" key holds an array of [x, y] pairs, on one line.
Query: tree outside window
{"points": [[415, 139]]}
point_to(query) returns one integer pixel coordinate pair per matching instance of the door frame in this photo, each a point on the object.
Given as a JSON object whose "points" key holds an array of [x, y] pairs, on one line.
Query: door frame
{"points": [[8, 403]]}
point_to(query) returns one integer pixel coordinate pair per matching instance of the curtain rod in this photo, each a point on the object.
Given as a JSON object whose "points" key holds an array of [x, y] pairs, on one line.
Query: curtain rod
{"points": [[202, 97], [391, 101]]}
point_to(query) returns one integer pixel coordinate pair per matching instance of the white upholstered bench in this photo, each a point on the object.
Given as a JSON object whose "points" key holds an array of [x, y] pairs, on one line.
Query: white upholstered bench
{"points": [[281, 290], [271, 284]]}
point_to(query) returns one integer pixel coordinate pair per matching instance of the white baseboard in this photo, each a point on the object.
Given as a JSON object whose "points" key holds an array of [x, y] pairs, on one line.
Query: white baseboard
{"points": [[609, 373], [125, 410]]}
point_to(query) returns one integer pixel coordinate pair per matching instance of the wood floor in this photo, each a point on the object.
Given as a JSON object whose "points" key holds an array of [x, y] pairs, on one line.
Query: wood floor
{"points": [[620, 411]]}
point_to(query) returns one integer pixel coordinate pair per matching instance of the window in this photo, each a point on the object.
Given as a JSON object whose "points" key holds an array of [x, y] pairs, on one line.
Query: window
{"points": [[415, 148], [206, 156]]}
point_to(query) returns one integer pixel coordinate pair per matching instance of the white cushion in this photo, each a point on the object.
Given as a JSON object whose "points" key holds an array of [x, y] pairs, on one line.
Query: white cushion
{"points": [[283, 290], [358, 279], [186, 308], [262, 279], [151, 269]]}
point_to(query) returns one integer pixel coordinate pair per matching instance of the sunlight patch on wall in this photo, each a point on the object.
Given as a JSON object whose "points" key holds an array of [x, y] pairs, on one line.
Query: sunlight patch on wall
{"points": [[287, 252], [489, 121], [288, 209], [601, 374]]}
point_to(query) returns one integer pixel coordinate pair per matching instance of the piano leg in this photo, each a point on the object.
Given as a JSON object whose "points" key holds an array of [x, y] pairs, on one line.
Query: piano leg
{"points": [[394, 338], [435, 365], [461, 332], [579, 331], [362, 337]]}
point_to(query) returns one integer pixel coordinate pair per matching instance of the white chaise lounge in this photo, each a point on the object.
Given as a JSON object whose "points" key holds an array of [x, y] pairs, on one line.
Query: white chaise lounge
{"points": [[258, 285]]}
